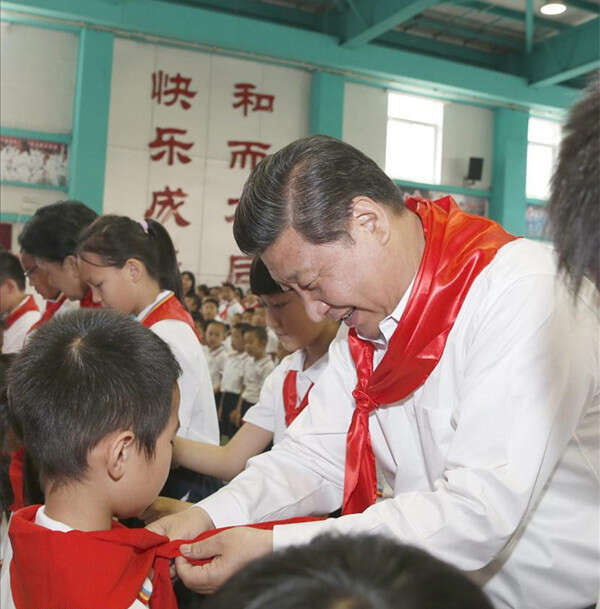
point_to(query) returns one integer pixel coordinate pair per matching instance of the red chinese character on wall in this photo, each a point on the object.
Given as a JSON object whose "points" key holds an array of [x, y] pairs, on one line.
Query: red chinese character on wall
{"points": [[260, 102], [239, 269], [231, 202], [164, 206], [170, 145], [180, 88], [246, 152]]}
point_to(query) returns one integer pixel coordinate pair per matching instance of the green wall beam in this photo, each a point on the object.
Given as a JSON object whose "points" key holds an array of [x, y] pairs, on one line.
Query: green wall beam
{"points": [[511, 15], [508, 203], [90, 118], [366, 20], [230, 32], [327, 104], [583, 5], [566, 56]]}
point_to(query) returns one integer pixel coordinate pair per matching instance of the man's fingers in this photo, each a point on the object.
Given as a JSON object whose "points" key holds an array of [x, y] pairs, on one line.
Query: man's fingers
{"points": [[202, 549], [203, 579]]}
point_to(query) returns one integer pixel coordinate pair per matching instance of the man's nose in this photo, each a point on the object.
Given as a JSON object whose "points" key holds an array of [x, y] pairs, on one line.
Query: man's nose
{"points": [[315, 309]]}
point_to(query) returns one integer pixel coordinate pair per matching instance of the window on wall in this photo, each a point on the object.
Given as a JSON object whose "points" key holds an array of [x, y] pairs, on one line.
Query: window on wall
{"points": [[543, 141], [414, 138]]}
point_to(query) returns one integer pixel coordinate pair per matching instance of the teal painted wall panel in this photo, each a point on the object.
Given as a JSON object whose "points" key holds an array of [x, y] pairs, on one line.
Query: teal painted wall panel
{"points": [[90, 118], [327, 104], [508, 202]]}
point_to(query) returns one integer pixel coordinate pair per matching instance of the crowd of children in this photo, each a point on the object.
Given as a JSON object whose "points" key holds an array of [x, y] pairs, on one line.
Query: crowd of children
{"points": [[168, 389]]}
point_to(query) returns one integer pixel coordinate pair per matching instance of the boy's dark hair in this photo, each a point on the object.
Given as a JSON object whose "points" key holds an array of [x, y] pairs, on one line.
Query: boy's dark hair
{"points": [[197, 316], [52, 231], [10, 268], [259, 332], [82, 376], [195, 298], [242, 327], [309, 186], [216, 322], [574, 205], [261, 282], [353, 572], [117, 238], [211, 299]]}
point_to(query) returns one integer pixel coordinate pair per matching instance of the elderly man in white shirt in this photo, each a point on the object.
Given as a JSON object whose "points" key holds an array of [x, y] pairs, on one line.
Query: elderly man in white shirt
{"points": [[492, 446]]}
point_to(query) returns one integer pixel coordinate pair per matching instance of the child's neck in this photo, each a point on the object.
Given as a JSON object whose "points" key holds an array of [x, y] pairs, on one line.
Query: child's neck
{"points": [[216, 347], [259, 356], [317, 349], [148, 293], [77, 506]]}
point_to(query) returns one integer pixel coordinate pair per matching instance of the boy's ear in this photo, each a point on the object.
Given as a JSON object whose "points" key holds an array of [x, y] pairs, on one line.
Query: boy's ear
{"points": [[120, 450]]}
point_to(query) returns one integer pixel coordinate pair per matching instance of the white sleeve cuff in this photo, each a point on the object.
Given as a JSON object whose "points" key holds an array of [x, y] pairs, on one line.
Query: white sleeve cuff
{"points": [[224, 509]]}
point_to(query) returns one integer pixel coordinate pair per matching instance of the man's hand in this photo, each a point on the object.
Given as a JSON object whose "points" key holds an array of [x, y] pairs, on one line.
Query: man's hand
{"points": [[183, 525], [229, 550]]}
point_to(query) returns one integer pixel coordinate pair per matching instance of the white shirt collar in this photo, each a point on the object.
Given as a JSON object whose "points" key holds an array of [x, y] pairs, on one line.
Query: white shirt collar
{"points": [[160, 297], [312, 372], [388, 325], [43, 520]]}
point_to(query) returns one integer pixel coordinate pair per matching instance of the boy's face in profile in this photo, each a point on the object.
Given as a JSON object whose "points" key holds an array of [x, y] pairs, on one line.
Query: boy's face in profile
{"points": [[146, 476], [254, 347], [214, 336]]}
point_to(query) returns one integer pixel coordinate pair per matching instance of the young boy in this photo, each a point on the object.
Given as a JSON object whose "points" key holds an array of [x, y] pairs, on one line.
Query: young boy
{"points": [[259, 319], [95, 396], [256, 369], [18, 309], [209, 308], [233, 377], [214, 335]]}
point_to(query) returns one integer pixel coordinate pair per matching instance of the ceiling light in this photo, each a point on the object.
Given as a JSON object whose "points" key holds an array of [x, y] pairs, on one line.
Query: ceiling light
{"points": [[553, 8]]}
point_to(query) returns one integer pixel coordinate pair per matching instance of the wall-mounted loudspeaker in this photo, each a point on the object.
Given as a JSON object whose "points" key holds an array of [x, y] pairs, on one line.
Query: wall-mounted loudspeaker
{"points": [[475, 169]]}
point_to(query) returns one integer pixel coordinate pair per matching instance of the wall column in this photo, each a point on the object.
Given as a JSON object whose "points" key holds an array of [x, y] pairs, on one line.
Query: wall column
{"points": [[327, 104], [91, 107], [508, 203]]}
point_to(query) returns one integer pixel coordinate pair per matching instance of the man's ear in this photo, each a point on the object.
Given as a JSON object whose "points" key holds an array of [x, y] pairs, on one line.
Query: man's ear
{"points": [[135, 269], [120, 449], [370, 216]]}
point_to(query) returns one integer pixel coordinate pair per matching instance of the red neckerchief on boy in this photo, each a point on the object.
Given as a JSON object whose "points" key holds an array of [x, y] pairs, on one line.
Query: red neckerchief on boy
{"points": [[93, 569], [290, 397], [26, 306], [168, 307], [87, 302], [15, 475], [51, 307], [458, 246]]}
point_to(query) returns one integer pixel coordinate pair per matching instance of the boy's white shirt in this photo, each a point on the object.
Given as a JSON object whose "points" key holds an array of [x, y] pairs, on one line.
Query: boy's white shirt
{"points": [[255, 373], [14, 337], [43, 520], [215, 359], [269, 412], [197, 410], [233, 372]]}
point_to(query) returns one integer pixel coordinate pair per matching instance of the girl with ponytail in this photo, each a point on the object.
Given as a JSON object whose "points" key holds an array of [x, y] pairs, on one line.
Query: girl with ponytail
{"points": [[131, 266]]}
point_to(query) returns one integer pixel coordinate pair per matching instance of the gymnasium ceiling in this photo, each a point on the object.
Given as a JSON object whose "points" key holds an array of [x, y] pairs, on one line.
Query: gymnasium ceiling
{"points": [[510, 36]]}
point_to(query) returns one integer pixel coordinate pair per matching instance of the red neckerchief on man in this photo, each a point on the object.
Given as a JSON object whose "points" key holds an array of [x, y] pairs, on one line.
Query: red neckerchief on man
{"points": [[51, 307], [458, 246], [27, 305], [290, 397], [93, 569]]}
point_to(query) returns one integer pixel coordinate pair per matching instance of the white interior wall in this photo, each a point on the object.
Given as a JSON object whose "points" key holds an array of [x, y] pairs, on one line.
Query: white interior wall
{"points": [[206, 245]]}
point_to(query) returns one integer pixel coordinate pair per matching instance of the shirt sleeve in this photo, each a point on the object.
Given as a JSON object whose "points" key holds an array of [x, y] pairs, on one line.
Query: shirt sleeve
{"points": [[264, 412]]}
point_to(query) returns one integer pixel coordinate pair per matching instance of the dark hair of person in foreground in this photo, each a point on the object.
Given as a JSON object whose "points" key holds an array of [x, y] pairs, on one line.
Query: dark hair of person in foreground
{"points": [[349, 572], [574, 205]]}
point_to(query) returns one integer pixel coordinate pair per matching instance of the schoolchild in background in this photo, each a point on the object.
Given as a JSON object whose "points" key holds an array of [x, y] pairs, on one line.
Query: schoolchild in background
{"points": [[248, 316], [19, 310], [214, 335], [188, 283], [259, 319], [131, 267], [192, 303], [229, 304], [50, 236], [210, 308]]}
